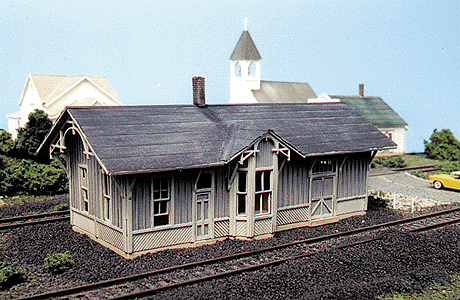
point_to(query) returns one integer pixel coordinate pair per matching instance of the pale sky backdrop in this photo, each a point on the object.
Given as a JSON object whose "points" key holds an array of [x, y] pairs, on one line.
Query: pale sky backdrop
{"points": [[406, 52]]}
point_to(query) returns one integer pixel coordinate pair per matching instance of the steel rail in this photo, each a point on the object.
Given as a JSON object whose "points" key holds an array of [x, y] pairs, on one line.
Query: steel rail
{"points": [[120, 280], [36, 216], [426, 168], [54, 217], [152, 291]]}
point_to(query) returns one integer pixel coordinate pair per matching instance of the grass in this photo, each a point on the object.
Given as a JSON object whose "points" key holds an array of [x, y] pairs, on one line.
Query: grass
{"points": [[449, 290], [416, 161], [22, 199]]}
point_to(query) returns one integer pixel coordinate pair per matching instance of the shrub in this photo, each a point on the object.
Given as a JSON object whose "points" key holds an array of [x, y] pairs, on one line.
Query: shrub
{"points": [[59, 262], [451, 167], [10, 276], [61, 207], [26, 177], [442, 145]]}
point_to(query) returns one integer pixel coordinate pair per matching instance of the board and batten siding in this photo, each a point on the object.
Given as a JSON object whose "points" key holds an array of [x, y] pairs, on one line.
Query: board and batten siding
{"points": [[182, 190], [76, 158], [293, 183], [352, 179]]}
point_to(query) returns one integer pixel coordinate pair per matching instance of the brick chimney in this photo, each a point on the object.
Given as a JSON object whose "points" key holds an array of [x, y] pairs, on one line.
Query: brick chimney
{"points": [[198, 91], [361, 90]]}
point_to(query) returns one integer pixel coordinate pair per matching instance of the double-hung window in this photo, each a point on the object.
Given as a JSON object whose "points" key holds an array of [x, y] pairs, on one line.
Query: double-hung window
{"points": [[263, 192], [161, 201], [107, 199], [242, 193], [84, 194]]}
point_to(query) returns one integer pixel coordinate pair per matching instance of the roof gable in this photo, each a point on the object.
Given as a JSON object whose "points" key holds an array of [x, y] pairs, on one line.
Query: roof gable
{"points": [[373, 109], [245, 48], [134, 139], [52, 87]]}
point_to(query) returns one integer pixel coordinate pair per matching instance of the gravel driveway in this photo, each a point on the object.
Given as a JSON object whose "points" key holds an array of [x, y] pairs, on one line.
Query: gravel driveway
{"points": [[409, 185]]}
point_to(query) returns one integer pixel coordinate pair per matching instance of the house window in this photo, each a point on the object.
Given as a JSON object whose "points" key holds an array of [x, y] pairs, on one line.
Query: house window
{"points": [[241, 193], [161, 201], [84, 195], [263, 192], [107, 199], [324, 166]]}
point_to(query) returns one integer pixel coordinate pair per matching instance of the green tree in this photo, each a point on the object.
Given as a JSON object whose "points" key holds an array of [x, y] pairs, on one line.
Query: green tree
{"points": [[6, 142], [442, 145], [31, 136]]}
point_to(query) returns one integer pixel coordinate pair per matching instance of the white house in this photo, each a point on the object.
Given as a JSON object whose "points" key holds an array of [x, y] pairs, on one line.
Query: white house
{"points": [[52, 93]]}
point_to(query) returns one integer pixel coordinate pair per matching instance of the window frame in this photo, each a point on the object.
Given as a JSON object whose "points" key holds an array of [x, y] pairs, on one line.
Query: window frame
{"points": [[242, 194], [84, 191], [157, 202], [259, 194], [106, 197], [332, 163]]}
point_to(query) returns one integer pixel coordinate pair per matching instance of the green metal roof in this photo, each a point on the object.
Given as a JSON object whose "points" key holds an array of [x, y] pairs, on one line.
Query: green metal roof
{"points": [[373, 109], [245, 49]]}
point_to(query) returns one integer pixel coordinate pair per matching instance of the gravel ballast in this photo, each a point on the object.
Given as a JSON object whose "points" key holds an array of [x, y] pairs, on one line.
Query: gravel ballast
{"points": [[401, 262]]}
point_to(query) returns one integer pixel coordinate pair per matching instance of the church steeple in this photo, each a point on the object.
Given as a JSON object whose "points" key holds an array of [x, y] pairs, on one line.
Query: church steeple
{"points": [[244, 69], [245, 49]]}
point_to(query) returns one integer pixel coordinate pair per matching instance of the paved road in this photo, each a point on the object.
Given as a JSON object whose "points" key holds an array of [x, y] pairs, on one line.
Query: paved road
{"points": [[406, 184]]}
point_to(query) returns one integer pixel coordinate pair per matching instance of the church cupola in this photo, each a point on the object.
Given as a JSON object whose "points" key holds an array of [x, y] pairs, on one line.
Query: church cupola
{"points": [[244, 70]]}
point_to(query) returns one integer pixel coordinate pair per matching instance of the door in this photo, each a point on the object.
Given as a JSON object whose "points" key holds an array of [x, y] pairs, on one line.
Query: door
{"points": [[322, 197], [202, 215], [204, 206]]}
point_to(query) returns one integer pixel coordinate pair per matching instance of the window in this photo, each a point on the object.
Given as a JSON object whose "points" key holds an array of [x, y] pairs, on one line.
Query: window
{"points": [[161, 199], [252, 69], [107, 199], [241, 193], [238, 70], [324, 166], [84, 195], [263, 192], [204, 182]]}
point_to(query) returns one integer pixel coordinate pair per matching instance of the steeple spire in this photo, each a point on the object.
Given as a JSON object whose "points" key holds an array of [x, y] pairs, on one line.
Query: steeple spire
{"points": [[245, 24]]}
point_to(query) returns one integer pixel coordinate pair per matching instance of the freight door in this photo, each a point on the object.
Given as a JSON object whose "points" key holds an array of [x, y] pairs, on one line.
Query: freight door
{"points": [[322, 197]]}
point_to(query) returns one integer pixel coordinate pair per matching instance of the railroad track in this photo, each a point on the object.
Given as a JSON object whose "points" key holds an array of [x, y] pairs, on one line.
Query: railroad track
{"points": [[149, 283], [15, 222], [427, 168]]}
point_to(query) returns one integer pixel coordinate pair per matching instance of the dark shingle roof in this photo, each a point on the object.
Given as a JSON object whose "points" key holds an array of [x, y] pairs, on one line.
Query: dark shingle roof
{"points": [[245, 48], [283, 92], [373, 109], [134, 139]]}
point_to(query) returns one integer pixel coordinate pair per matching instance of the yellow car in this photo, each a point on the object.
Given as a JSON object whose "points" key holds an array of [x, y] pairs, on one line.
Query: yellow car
{"points": [[451, 181]]}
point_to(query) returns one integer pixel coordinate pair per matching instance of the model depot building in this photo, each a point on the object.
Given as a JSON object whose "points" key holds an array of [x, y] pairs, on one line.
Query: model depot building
{"points": [[144, 178]]}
